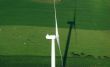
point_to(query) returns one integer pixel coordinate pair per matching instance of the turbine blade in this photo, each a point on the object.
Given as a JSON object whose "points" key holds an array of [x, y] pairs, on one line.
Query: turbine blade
{"points": [[58, 42], [57, 35], [56, 32]]}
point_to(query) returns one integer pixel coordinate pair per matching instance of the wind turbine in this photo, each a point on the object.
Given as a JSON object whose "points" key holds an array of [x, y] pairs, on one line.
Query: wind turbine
{"points": [[53, 38]]}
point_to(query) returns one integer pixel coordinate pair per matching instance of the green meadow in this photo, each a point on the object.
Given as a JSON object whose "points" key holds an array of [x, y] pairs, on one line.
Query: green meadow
{"points": [[25, 23]]}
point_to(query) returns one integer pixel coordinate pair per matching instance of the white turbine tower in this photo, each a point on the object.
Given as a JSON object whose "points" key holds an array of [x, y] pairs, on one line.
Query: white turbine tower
{"points": [[53, 38]]}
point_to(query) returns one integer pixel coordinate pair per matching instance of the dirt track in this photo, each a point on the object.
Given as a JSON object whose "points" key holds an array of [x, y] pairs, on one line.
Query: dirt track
{"points": [[46, 1]]}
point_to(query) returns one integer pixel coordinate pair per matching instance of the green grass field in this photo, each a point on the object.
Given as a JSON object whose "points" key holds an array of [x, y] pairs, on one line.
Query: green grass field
{"points": [[44, 61], [25, 23]]}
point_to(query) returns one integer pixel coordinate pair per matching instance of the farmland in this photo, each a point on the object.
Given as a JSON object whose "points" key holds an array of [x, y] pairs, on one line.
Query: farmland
{"points": [[24, 24], [44, 61]]}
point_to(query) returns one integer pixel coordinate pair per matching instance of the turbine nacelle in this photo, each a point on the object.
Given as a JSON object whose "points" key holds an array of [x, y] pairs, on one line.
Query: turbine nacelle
{"points": [[50, 36]]}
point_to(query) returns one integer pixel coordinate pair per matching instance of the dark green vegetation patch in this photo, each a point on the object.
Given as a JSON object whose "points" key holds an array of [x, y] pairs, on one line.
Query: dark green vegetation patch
{"points": [[91, 14]]}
